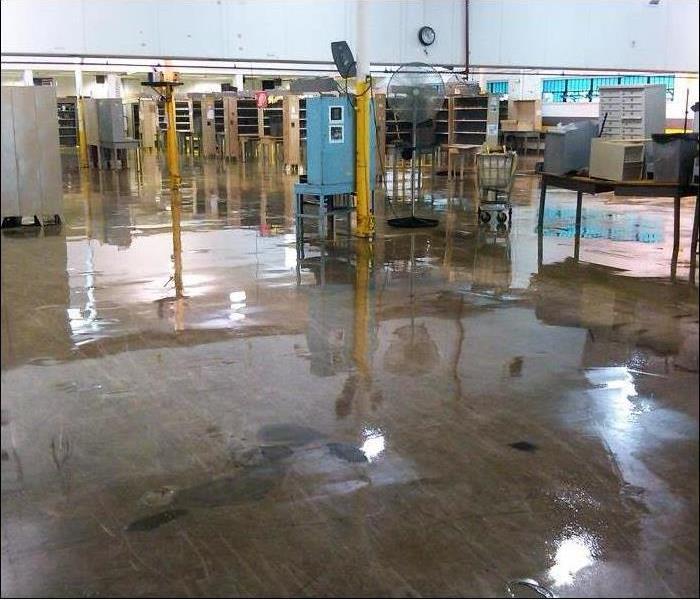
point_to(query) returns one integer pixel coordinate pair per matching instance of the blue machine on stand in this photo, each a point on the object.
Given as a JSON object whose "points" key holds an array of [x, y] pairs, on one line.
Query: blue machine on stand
{"points": [[330, 162]]}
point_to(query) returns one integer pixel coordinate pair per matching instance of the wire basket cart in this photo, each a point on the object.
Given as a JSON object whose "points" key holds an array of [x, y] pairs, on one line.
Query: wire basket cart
{"points": [[495, 174]]}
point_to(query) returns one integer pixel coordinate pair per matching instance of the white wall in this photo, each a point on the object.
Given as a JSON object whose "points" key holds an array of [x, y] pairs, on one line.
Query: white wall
{"points": [[585, 34], [289, 30]]}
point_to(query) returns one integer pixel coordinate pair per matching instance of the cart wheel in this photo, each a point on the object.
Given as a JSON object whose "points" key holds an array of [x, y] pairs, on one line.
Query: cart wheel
{"points": [[484, 216], [502, 217]]}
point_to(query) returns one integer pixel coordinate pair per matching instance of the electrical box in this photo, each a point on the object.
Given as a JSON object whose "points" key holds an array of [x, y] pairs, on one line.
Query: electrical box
{"points": [[110, 120], [331, 142]]}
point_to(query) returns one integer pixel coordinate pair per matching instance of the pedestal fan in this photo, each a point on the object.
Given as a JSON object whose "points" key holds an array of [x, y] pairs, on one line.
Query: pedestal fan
{"points": [[415, 93]]}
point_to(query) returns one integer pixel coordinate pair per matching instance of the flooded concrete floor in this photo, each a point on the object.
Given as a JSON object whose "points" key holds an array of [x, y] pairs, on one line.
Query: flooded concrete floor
{"points": [[432, 414]]}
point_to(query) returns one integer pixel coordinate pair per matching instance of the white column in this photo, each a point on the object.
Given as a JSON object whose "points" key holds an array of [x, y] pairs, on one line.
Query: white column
{"points": [[238, 81], [362, 50], [78, 82], [28, 77], [114, 87]]}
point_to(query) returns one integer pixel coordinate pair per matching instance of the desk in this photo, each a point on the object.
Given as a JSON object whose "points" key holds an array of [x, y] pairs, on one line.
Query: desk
{"points": [[645, 189], [248, 146], [461, 150], [524, 136], [270, 148], [105, 150]]}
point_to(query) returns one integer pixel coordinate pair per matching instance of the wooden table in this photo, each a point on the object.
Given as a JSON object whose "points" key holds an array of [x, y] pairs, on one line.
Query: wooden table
{"points": [[525, 136], [645, 189], [107, 153], [461, 150]]}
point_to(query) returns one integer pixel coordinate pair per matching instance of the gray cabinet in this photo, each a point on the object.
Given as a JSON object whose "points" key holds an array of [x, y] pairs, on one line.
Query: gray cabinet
{"points": [[31, 161], [634, 111]]}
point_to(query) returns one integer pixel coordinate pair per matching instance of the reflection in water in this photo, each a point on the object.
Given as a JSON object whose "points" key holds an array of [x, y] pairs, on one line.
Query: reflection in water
{"points": [[617, 386], [238, 304], [573, 553], [373, 444], [602, 224], [313, 353]]}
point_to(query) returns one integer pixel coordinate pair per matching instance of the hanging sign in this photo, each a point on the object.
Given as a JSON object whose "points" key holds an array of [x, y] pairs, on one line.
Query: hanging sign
{"points": [[261, 99]]}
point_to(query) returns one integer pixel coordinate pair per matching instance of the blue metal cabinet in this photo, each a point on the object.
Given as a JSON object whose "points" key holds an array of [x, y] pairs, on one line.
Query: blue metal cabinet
{"points": [[330, 145]]}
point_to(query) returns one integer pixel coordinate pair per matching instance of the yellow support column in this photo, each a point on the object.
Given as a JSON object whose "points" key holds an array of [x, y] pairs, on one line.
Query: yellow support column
{"points": [[365, 224], [82, 140], [361, 321], [171, 140]]}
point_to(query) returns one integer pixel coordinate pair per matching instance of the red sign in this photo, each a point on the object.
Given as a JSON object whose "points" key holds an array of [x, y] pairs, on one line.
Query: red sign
{"points": [[261, 99]]}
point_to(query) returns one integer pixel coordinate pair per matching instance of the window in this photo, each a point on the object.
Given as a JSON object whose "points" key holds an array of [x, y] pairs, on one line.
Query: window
{"points": [[497, 87], [584, 89]]}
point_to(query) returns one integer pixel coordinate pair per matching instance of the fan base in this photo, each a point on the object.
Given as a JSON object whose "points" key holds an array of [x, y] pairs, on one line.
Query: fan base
{"points": [[412, 222]]}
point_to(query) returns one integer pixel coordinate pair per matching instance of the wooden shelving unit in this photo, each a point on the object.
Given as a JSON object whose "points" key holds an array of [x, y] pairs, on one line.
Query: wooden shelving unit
{"points": [[67, 113], [473, 120], [183, 116], [294, 130], [248, 125], [302, 120], [442, 123], [271, 114]]}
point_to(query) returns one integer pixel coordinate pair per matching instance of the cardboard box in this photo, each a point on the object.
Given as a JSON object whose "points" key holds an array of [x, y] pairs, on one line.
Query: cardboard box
{"points": [[527, 112], [509, 125]]}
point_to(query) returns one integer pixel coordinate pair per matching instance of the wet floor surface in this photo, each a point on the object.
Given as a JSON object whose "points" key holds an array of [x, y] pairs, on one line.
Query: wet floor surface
{"points": [[433, 414]]}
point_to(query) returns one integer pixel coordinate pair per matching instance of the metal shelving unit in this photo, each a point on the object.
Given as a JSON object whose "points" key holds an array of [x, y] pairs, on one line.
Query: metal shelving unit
{"points": [[67, 113]]}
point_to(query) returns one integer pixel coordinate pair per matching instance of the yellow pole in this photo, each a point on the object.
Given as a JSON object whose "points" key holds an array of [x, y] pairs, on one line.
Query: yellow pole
{"points": [[171, 140], [361, 321], [176, 216], [82, 140], [365, 225]]}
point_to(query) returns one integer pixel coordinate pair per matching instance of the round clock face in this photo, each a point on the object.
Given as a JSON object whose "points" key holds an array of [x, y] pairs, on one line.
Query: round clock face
{"points": [[426, 35]]}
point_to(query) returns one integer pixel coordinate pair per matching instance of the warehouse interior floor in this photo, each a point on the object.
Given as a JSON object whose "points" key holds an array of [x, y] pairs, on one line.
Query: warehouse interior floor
{"points": [[434, 413]]}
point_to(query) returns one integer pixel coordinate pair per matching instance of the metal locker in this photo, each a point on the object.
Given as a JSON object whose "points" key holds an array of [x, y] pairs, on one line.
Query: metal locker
{"points": [[50, 176], [10, 192], [27, 151]]}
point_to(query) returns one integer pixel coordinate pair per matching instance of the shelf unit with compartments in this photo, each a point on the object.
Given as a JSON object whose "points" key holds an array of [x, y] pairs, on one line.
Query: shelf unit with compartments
{"points": [[474, 120], [633, 111], [67, 112], [442, 123], [183, 116], [272, 120], [248, 122]]}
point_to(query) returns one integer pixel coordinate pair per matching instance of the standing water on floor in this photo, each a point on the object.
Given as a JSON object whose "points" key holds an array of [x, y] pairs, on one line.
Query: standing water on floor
{"points": [[197, 403]]}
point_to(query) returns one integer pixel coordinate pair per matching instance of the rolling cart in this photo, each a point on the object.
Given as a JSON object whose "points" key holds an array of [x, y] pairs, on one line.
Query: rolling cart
{"points": [[495, 174]]}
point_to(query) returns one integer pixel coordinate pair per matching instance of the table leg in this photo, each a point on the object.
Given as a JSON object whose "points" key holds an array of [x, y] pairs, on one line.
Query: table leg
{"points": [[694, 240], [449, 164], [540, 248], [461, 165], [577, 235], [322, 217], [676, 236], [543, 194], [139, 167]]}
